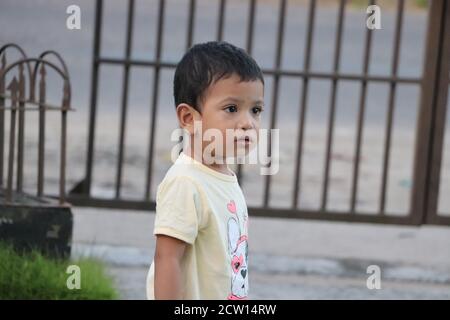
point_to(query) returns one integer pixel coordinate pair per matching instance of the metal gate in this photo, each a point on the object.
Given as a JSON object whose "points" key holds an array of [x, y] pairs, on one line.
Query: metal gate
{"points": [[434, 84]]}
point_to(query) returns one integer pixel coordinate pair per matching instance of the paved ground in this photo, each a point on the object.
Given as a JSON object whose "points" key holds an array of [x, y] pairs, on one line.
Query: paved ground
{"points": [[290, 259]]}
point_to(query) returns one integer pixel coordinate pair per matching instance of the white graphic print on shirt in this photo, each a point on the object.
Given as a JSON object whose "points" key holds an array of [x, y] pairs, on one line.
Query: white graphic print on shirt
{"points": [[238, 249]]}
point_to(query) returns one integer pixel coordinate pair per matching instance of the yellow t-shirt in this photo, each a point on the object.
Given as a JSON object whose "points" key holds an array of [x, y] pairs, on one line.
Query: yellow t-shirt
{"points": [[206, 209]]}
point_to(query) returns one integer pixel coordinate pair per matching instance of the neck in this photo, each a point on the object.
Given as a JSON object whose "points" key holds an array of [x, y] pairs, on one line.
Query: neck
{"points": [[219, 167]]}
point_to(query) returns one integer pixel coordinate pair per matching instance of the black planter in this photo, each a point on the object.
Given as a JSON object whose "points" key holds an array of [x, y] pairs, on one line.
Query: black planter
{"points": [[36, 223]]}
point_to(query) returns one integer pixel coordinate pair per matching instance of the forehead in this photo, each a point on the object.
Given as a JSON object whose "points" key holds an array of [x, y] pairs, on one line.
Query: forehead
{"points": [[233, 87]]}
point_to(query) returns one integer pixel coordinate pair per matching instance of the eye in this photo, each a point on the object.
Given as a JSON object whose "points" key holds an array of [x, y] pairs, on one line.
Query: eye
{"points": [[257, 110], [231, 108]]}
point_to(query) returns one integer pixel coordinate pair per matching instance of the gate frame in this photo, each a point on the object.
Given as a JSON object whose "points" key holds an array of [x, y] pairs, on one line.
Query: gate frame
{"points": [[429, 130], [432, 118]]}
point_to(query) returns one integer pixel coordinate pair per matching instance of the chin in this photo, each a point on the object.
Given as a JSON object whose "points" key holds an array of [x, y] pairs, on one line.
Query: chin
{"points": [[242, 151]]}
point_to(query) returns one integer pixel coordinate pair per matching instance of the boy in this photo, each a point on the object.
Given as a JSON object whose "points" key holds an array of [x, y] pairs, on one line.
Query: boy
{"points": [[201, 221]]}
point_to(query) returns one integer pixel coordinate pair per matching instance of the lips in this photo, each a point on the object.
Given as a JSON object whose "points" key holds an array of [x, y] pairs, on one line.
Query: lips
{"points": [[244, 139]]}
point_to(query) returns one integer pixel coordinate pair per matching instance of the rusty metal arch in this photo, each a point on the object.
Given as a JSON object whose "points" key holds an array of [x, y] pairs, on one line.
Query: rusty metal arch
{"points": [[62, 72], [21, 51], [24, 56], [63, 64], [38, 61], [22, 100]]}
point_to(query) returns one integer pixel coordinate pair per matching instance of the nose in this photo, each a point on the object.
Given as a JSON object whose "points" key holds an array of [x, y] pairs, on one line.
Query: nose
{"points": [[245, 121]]}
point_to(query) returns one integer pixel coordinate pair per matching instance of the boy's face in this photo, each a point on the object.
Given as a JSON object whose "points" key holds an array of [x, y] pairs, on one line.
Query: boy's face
{"points": [[234, 105]]}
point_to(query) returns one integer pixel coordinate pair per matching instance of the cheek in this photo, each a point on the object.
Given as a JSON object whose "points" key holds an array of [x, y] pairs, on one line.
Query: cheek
{"points": [[221, 123], [258, 124], [215, 129], [215, 120]]}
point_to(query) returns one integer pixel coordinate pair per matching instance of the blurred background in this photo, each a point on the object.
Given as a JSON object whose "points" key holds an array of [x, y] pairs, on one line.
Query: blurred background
{"points": [[364, 143]]}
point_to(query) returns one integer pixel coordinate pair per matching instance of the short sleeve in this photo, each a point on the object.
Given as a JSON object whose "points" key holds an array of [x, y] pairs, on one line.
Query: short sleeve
{"points": [[178, 209]]}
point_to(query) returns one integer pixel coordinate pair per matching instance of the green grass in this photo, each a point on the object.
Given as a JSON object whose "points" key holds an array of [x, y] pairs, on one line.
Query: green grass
{"points": [[32, 276], [359, 3], [422, 3]]}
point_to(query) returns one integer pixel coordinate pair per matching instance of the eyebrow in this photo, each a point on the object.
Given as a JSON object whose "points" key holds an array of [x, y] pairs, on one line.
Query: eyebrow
{"points": [[234, 99]]}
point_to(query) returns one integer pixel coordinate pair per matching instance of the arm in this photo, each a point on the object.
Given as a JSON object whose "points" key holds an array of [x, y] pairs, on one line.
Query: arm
{"points": [[168, 254]]}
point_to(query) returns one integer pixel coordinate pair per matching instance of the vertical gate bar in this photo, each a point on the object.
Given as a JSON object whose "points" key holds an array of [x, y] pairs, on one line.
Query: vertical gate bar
{"points": [[191, 20], [62, 169], [13, 87], [361, 114], [428, 99], [250, 26], [303, 103], [274, 105], [391, 106], [124, 106], [93, 100], [2, 116], [41, 141], [439, 123], [249, 48], [221, 19], [21, 130], [337, 57], [154, 100]]}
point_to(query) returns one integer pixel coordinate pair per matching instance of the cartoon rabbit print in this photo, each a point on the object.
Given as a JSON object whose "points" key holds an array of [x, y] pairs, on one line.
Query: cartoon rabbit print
{"points": [[238, 249]]}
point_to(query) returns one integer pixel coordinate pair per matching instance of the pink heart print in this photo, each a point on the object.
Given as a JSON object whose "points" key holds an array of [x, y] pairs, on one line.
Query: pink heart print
{"points": [[231, 206], [236, 262]]}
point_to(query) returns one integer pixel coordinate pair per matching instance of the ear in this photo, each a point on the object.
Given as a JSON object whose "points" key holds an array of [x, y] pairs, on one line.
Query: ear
{"points": [[186, 115]]}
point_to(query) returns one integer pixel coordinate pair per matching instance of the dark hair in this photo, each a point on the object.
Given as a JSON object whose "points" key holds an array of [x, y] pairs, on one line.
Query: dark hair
{"points": [[204, 64]]}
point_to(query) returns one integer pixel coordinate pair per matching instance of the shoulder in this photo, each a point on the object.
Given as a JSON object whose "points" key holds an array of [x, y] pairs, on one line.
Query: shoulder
{"points": [[181, 192], [180, 178], [181, 184], [184, 174]]}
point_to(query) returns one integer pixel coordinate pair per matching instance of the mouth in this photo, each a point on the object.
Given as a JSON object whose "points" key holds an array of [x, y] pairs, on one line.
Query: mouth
{"points": [[243, 140]]}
